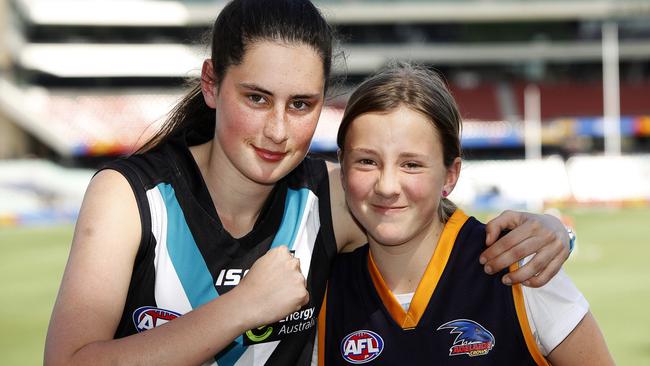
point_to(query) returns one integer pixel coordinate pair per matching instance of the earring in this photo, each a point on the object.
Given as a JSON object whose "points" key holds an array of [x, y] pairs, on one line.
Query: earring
{"points": [[444, 193]]}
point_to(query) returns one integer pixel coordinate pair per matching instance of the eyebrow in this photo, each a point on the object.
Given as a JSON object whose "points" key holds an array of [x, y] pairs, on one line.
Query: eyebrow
{"points": [[257, 88], [364, 150], [407, 155], [411, 155]]}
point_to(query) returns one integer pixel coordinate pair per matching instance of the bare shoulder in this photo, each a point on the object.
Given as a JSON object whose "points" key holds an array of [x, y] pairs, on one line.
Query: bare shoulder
{"points": [[109, 201], [109, 222], [348, 234]]}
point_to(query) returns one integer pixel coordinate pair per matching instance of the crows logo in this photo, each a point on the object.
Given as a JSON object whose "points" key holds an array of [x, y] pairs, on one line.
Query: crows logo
{"points": [[472, 339]]}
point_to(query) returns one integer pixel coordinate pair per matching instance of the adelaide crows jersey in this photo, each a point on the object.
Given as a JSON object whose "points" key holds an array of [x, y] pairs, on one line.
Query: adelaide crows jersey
{"points": [[186, 258], [458, 315]]}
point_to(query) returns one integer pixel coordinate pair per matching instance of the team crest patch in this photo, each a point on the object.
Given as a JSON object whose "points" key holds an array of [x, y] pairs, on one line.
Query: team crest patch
{"points": [[148, 317], [472, 339], [361, 346]]}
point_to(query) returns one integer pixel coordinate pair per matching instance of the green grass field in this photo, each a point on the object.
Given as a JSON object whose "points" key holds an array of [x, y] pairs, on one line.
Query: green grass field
{"points": [[610, 267]]}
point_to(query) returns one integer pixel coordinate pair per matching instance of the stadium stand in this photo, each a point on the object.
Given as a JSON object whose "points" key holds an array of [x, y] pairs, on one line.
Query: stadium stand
{"points": [[109, 47], [82, 86]]}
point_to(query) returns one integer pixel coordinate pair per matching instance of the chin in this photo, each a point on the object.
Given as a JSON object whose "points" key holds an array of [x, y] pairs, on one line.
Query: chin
{"points": [[388, 239], [270, 174]]}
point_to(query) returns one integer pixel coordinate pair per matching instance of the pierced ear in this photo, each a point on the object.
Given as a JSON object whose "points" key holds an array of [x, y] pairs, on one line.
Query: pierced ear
{"points": [[453, 173], [208, 84]]}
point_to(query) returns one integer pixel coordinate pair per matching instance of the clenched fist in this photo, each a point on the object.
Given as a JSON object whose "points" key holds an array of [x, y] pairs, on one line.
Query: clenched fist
{"points": [[274, 287]]}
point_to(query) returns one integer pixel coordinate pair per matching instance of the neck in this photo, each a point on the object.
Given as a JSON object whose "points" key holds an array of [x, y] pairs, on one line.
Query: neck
{"points": [[237, 199], [402, 266]]}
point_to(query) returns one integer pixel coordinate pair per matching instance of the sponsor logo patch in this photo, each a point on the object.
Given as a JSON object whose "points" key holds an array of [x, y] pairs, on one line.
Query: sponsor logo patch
{"points": [[148, 317], [472, 339], [361, 346], [296, 322], [230, 277]]}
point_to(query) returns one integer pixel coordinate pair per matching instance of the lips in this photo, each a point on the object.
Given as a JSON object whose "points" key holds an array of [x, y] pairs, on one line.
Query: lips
{"points": [[388, 209], [269, 155]]}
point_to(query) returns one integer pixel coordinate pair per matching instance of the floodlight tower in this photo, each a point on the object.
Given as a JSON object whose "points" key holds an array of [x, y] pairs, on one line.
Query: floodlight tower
{"points": [[611, 92]]}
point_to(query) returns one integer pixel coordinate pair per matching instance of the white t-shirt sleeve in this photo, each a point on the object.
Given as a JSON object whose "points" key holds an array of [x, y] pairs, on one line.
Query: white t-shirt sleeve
{"points": [[554, 310]]}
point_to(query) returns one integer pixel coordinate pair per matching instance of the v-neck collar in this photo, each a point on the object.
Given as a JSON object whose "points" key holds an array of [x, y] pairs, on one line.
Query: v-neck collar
{"points": [[428, 282]]}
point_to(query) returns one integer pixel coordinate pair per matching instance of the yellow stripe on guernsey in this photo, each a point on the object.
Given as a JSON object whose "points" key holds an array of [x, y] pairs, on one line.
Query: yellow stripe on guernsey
{"points": [[520, 307], [409, 319]]}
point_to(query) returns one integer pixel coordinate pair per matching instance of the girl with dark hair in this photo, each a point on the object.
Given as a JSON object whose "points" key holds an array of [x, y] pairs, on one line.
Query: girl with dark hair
{"points": [[416, 294], [222, 225]]}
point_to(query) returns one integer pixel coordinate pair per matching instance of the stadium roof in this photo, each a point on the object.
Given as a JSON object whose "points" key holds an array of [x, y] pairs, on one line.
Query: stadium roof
{"points": [[183, 13], [71, 60]]}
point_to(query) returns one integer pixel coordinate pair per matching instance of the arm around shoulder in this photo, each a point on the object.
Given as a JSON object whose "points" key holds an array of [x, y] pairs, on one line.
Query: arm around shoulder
{"points": [[348, 233]]}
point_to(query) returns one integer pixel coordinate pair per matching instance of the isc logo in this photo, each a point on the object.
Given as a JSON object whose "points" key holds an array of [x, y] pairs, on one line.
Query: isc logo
{"points": [[148, 317], [361, 346], [230, 277]]}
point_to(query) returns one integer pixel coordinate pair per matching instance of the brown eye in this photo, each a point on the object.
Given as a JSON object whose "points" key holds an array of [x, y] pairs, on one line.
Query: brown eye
{"points": [[412, 165], [256, 98], [299, 105]]}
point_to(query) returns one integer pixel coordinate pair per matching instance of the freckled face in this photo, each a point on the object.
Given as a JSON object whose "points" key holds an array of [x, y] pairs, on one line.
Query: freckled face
{"points": [[267, 109], [393, 174]]}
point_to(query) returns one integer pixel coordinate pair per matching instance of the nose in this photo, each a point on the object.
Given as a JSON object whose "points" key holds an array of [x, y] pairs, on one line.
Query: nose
{"points": [[275, 128], [387, 184]]}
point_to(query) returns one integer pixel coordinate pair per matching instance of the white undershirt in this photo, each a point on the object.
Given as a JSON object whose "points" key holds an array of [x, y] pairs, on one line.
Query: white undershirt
{"points": [[553, 310], [404, 300]]}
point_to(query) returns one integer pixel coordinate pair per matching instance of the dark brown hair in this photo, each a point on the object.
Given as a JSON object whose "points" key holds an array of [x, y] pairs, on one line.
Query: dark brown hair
{"points": [[240, 24]]}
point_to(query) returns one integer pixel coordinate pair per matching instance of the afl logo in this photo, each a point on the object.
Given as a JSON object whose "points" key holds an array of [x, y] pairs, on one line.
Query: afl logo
{"points": [[148, 317], [361, 346]]}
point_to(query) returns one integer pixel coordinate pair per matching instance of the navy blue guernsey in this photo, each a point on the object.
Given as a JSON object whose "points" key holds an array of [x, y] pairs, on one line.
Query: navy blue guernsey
{"points": [[186, 258], [458, 315]]}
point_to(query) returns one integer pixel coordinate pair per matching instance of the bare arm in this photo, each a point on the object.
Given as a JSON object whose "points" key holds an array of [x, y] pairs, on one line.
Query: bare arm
{"points": [[95, 283], [585, 345], [348, 233], [542, 235]]}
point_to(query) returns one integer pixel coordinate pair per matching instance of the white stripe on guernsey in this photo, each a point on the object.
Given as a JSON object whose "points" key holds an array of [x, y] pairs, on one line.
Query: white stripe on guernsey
{"points": [[168, 291], [307, 232], [257, 354]]}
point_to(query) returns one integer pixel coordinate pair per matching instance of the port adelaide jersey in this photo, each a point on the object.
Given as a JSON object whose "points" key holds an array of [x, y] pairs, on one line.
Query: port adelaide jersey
{"points": [[458, 315], [186, 258]]}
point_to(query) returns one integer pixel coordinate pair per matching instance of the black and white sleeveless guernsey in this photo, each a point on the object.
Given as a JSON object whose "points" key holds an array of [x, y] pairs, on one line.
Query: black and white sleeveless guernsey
{"points": [[186, 258], [458, 315]]}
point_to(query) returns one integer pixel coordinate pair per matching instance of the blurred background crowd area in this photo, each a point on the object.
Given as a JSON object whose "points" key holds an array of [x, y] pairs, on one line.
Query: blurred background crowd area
{"points": [[554, 95], [82, 82]]}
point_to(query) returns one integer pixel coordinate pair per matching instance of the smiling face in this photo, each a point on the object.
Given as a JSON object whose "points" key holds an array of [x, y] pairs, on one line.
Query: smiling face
{"points": [[393, 175], [267, 108]]}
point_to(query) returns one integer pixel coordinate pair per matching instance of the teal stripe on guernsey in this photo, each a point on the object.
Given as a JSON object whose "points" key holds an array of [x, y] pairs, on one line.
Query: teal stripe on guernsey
{"points": [[190, 266], [294, 207]]}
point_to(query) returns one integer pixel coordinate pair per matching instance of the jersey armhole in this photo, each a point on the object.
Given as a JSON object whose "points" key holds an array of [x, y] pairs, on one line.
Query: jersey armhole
{"points": [[137, 186], [320, 179], [320, 333], [526, 330]]}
